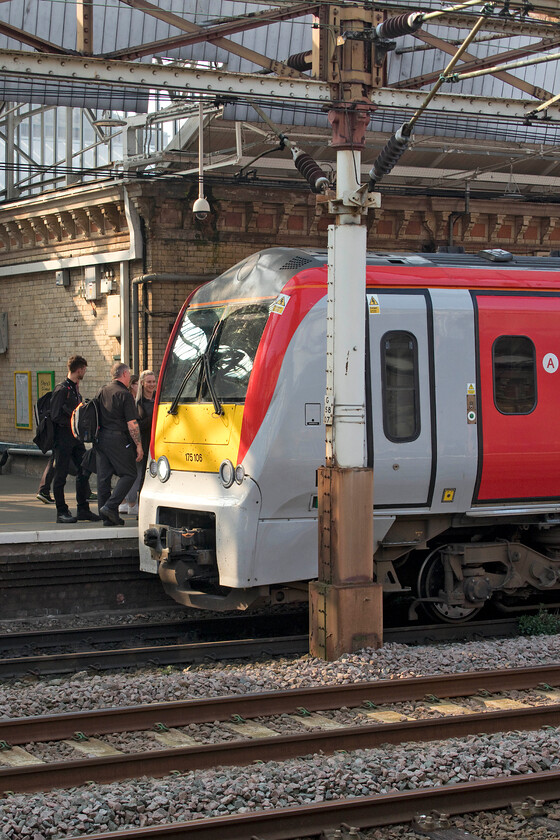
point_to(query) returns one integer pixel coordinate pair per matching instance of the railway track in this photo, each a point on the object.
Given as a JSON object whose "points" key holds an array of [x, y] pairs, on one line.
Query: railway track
{"points": [[350, 816], [155, 643], [368, 723], [177, 630], [191, 641]]}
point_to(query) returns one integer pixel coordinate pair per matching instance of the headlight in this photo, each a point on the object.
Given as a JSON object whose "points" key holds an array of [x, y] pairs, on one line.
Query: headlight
{"points": [[227, 473], [153, 469], [239, 473], [163, 468]]}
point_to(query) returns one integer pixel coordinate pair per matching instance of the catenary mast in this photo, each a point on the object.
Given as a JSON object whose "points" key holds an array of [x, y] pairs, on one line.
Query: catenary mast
{"points": [[346, 603]]}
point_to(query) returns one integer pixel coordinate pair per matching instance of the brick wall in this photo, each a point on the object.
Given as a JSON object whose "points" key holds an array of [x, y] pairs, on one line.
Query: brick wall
{"points": [[46, 324]]}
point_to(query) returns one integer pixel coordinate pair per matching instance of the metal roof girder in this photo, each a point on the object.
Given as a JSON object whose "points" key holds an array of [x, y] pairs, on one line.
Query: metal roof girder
{"points": [[171, 76], [467, 106], [244, 86]]}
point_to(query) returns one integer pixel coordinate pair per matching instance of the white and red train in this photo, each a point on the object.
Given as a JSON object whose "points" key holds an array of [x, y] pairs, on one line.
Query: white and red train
{"points": [[462, 430]]}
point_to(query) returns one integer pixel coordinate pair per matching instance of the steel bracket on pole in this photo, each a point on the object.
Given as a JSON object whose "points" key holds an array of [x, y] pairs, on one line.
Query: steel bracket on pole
{"points": [[356, 202]]}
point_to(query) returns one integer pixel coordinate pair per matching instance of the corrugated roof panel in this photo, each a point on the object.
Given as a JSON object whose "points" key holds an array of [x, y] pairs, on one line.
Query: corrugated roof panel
{"points": [[407, 65], [119, 26], [62, 17], [108, 30]]}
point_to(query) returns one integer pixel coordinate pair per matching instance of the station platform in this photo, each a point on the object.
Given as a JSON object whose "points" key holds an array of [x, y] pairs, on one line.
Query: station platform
{"points": [[47, 569], [25, 519]]}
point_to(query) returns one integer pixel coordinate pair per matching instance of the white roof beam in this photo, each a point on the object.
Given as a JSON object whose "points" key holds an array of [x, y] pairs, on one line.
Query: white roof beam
{"points": [[165, 77], [246, 86], [461, 104]]}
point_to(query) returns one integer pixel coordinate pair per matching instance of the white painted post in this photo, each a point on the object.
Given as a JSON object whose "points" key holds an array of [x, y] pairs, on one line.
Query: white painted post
{"points": [[346, 314], [346, 603]]}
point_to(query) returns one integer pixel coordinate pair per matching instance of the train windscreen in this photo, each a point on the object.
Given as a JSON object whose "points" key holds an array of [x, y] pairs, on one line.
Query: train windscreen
{"points": [[227, 338]]}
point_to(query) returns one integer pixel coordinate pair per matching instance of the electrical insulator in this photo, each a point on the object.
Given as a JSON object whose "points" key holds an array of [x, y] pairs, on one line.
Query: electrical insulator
{"points": [[400, 25], [312, 173], [389, 155], [300, 61]]}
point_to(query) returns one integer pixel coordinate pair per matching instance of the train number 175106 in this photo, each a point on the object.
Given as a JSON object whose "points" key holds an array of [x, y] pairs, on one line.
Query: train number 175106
{"points": [[193, 458]]}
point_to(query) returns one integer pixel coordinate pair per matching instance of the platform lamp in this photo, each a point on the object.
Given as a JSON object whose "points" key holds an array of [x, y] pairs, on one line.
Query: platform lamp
{"points": [[201, 208], [107, 120]]}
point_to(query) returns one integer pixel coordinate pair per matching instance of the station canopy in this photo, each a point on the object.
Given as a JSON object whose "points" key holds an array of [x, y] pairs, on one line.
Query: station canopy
{"points": [[97, 89]]}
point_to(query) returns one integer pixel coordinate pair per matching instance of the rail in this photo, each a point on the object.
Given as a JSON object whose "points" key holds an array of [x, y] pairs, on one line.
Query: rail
{"points": [[134, 645], [8, 449], [184, 712], [21, 449], [362, 812], [106, 769]]}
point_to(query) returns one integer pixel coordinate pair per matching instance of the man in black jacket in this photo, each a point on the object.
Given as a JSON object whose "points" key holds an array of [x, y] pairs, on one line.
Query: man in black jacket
{"points": [[67, 448], [119, 445]]}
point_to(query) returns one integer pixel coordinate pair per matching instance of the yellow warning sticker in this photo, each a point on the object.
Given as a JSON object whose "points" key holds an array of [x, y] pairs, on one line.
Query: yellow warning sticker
{"points": [[373, 305], [471, 388], [448, 494], [280, 304]]}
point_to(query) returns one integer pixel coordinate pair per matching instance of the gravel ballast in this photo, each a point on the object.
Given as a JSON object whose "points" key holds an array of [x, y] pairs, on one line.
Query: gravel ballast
{"points": [[82, 691], [221, 791]]}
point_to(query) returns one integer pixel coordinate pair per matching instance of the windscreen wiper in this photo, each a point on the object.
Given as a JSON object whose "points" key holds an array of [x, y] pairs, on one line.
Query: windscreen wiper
{"points": [[204, 359], [195, 365], [217, 404]]}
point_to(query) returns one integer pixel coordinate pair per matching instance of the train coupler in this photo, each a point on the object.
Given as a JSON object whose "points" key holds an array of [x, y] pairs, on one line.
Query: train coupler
{"points": [[174, 542]]}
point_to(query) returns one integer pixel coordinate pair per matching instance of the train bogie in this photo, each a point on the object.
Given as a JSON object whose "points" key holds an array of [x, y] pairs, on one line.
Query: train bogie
{"points": [[460, 428]]}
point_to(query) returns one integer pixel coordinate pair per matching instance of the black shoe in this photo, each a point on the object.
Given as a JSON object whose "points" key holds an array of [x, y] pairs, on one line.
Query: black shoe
{"points": [[66, 518], [92, 497], [46, 498], [88, 516], [112, 515], [107, 523]]}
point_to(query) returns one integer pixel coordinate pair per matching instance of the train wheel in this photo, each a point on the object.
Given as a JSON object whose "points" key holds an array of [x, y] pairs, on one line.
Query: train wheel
{"points": [[430, 583]]}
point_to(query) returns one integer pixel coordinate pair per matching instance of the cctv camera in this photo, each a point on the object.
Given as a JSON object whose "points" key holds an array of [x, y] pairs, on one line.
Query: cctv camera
{"points": [[201, 208]]}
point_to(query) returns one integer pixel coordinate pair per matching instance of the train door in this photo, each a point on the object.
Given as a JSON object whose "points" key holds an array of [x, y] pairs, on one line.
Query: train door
{"points": [[519, 352], [400, 432]]}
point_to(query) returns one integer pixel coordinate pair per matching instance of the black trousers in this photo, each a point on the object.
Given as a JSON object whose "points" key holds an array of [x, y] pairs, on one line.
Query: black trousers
{"points": [[68, 450], [116, 455], [47, 477]]}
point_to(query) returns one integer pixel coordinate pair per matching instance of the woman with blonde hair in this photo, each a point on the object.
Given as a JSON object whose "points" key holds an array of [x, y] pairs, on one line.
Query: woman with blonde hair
{"points": [[145, 397]]}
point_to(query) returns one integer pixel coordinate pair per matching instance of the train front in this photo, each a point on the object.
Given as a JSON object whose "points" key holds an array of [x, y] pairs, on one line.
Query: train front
{"points": [[199, 501]]}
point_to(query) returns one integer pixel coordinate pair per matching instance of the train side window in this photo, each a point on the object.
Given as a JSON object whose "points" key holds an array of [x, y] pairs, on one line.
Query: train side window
{"points": [[399, 374], [515, 374]]}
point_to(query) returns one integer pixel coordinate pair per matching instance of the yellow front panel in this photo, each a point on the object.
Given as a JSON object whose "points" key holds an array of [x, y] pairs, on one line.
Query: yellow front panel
{"points": [[196, 438]]}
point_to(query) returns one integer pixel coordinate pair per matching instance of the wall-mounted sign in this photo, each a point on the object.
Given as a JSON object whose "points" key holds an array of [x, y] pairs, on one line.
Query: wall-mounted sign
{"points": [[22, 391], [45, 382]]}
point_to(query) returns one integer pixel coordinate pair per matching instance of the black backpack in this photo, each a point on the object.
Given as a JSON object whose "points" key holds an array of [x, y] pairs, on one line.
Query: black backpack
{"points": [[85, 421], [44, 437]]}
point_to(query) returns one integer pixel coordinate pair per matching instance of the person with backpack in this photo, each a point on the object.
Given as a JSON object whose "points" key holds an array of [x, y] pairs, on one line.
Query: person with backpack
{"points": [[144, 399], [66, 448], [119, 446]]}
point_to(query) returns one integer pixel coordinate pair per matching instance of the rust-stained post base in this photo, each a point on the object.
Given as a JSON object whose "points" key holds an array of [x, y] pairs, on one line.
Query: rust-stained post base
{"points": [[344, 619], [346, 606]]}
